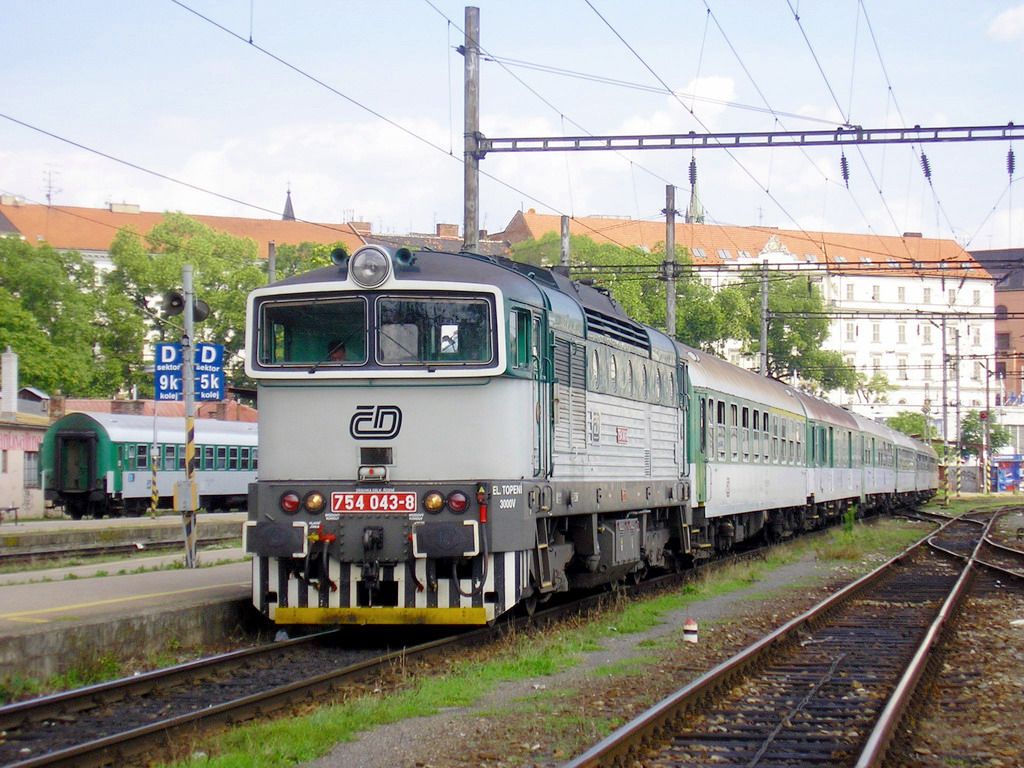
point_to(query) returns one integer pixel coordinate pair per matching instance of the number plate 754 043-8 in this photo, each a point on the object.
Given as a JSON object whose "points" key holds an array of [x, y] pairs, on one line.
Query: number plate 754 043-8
{"points": [[373, 502]]}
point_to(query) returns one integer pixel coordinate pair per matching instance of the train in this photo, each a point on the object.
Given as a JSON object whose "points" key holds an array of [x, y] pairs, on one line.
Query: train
{"points": [[446, 437], [99, 464]]}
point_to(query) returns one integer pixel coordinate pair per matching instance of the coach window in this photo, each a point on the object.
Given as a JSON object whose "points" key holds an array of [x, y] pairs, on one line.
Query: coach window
{"points": [[783, 440], [141, 456], [612, 373], [627, 385], [720, 431], [170, 457], [595, 371], [670, 389], [755, 436], [745, 424], [222, 457], [734, 432], [233, 457]]}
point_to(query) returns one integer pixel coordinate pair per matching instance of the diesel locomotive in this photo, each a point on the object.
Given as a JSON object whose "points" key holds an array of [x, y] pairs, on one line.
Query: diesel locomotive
{"points": [[446, 436]]}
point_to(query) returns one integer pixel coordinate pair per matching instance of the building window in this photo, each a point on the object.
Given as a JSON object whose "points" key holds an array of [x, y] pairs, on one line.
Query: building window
{"points": [[952, 296], [901, 365], [1001, 313], [976, 337], [976, 373], [901, 333], [901, 295], [875, 292], [976, 298], [31, 469], [1002, 341], [849, 291], [876, 333], [849, 332], [926, 365], [927, 296], [3, 462], [876, 364], [926, 334]]}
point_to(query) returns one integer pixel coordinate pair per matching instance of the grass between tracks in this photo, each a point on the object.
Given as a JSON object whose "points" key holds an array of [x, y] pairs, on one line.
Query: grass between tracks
{"points": [[464, 682]]}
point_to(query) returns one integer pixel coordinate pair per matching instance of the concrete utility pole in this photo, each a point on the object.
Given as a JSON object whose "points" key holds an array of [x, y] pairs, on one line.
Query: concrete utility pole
{"points": [[945, 412], [186, 495], [471, 186], [956, 373], [764, 318], [670, 260]]}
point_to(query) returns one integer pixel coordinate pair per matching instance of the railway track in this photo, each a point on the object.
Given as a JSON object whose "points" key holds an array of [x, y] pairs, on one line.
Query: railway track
{"points": [[828, 688], [12, 557], [123, 721], [119, 722]]}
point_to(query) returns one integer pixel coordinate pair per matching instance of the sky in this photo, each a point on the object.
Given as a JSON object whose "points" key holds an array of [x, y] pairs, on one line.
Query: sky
{"points": [[356, 107]]}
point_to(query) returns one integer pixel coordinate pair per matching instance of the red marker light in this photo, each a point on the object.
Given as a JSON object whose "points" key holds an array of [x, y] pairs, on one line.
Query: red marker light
{"points": [[458, 502], [290, 502]]}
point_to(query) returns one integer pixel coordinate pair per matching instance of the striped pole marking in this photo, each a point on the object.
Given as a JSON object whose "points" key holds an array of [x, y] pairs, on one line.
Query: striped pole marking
{"points": [[189, 515]]}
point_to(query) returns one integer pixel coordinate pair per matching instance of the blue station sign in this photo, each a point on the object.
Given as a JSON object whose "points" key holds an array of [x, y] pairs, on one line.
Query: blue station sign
{"points": [[207, 367]]}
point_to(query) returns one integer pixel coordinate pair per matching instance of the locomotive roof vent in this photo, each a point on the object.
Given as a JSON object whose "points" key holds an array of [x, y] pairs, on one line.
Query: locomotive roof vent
{"points": [[370, 266]]}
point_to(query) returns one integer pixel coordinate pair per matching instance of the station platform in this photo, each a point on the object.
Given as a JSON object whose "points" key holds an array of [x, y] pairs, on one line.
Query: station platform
{"points": [[58, 619]]}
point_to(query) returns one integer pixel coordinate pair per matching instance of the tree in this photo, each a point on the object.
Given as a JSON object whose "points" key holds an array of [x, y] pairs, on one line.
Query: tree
{"points": [[797, 327], [62, 326], [293, 260], [972, 433], [225, 269], [876, 389], [704, 317], [911, 423]]}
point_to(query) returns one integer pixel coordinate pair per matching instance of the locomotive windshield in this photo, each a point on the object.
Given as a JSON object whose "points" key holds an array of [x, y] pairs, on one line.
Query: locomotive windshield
{"points": [[313, 332], [382, 331], [417, 331]]}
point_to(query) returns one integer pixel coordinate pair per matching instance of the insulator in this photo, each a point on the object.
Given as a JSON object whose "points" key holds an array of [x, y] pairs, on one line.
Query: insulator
{"points": [[693, 171], [926, 167], [844, 167], [1010, 162]]}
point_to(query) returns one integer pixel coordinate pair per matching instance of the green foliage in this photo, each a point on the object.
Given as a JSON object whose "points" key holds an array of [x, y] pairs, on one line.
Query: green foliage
{"points": [[876, 389], [53, 315], [704, 317], [224, 268], [911, 423], [293, 260], [972, 433], [797, 327]]}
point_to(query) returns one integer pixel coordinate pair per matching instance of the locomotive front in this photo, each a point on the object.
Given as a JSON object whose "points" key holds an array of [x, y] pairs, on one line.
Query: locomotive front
{"points": [[393, 440]]}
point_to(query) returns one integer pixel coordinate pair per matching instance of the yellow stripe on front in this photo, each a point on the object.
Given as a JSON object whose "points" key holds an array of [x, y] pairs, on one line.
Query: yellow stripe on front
{"points": [[474, 616]]}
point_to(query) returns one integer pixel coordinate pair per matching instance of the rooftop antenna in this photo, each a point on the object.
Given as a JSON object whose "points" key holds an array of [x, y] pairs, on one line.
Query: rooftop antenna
{"points": [[51, 190]]}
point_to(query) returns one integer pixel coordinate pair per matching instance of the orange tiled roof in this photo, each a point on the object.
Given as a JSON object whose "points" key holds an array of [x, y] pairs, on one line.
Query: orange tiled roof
{"points": [[93, 229], [714, 244]]}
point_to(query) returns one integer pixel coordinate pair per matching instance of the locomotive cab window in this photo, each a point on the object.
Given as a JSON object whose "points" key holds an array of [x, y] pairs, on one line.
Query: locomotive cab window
{"points": [[434, 331], [321, 332], [519, 338]]}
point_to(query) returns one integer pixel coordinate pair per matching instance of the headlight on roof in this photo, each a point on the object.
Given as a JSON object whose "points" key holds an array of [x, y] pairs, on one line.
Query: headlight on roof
{"points": [[369, 266]]}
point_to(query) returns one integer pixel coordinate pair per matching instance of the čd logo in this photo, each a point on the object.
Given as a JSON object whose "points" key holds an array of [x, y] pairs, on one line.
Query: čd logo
{"points": [[375, 422]]}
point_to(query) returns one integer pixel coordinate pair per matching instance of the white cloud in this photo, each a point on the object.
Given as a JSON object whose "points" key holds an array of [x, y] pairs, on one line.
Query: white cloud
{"points": [[1008, 25]]}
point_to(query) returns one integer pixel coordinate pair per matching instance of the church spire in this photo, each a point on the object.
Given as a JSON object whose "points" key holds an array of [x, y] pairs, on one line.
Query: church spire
{"points": [[289, 213]]}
